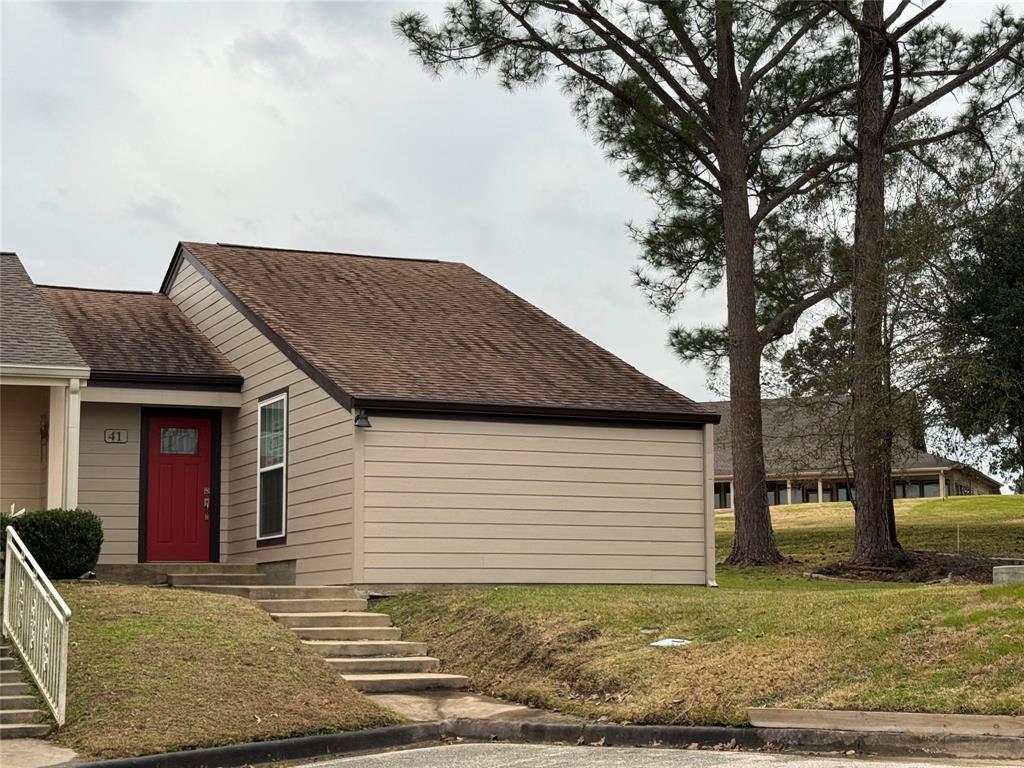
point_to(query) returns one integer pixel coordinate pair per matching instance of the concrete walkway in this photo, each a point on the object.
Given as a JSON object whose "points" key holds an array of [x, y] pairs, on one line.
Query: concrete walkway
{"points": [[540, 756], [32, 753], [429, 706]]}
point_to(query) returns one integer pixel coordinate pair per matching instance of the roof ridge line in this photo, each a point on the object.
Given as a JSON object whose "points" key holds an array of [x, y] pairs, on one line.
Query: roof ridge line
{"points": [[97, 290], [330, 253]]}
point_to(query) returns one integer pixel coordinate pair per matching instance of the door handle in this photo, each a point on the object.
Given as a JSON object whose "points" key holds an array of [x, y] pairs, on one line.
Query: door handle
{"points": [[206, 503]]}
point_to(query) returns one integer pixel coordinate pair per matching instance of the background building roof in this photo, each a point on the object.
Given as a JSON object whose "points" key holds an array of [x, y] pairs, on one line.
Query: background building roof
{"points": [[813, 435]]}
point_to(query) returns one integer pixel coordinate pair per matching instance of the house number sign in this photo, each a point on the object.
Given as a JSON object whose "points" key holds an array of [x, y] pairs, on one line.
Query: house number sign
{"points": [[115, 436]]}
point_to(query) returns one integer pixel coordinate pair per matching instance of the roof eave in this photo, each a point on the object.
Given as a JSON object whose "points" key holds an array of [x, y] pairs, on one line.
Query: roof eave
{"points": [[209, 382], [172, 268], [44, 371], [435, 407]]}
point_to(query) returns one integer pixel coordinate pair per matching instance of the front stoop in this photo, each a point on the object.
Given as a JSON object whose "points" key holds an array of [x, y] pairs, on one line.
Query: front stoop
{"points": [[363, 646], [20, 715]]}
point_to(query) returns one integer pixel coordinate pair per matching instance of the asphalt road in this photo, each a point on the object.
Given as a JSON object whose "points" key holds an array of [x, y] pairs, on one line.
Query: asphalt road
{"points": [[543, 756]]}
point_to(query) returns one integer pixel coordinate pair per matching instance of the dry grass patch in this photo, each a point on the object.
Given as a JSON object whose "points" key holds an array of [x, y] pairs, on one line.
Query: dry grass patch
{"points": [[155, 670], [807, 644], [767, 638]]}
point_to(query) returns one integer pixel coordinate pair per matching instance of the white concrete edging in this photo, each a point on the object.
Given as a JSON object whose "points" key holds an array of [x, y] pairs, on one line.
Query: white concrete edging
{"points": [[889, 722]]}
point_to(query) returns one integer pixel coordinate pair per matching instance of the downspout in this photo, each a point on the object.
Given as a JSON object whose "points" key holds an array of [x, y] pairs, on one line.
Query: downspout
{"points": [[358, 494], [709, 505]]}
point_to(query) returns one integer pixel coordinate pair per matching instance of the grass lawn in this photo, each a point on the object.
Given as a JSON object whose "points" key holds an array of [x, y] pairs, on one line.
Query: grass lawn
{"points": [[153, 670], [814, 534], [765, 638]]}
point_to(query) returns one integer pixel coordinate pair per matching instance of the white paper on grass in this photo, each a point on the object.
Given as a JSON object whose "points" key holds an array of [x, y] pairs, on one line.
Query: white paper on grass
{"points": [[670, 642]]}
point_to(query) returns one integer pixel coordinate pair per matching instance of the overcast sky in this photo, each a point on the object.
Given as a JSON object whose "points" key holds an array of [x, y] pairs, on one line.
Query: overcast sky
{"points": [[128, 126]]}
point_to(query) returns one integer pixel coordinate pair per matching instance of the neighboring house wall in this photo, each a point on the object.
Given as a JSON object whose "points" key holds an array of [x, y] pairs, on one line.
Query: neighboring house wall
{"points": [[473, 501], [319, 475], [23, 411], [108, 477]]}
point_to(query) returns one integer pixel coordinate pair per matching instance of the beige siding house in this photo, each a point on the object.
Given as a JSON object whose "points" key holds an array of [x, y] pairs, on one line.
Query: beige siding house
{"points": [[319, 520], [456, 501], [342, 419]]}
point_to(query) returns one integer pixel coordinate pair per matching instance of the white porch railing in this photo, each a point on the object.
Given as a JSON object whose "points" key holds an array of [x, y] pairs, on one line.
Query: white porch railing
{"points": [[36, 623]]}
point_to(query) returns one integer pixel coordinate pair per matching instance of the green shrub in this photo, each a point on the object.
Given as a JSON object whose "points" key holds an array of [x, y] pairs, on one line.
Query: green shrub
{"points": [[65, 542]]}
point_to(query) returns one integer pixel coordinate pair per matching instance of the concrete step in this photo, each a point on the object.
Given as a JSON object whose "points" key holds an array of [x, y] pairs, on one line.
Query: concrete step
{"points": [[24, 731], [365, 665], [312, 605], [414, 681], [348, 633], [23, 701], [5, 650], [10, 676], [14, 688], [219, 578], [274, 593], [24, 715], [302, 593], [7, 663], [219, 589], [333, 619], [183, 568], [337, 648]]}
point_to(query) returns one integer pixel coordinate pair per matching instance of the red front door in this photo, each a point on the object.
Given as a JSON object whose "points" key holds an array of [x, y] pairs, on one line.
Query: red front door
{"points": [[178, 488]]}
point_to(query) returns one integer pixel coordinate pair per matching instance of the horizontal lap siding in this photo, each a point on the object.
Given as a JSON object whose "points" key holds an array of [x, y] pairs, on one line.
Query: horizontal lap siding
{"points": [[108, 477], [450, 501], [319, 446], [23, 410]]}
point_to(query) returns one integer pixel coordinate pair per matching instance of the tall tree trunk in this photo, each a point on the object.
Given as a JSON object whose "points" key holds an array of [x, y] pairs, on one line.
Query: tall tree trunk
{"points": [[874, 538], [754, 543]]}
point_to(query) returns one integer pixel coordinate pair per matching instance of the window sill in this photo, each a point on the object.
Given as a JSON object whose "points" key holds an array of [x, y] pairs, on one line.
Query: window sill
{"points": [[274, 542]]}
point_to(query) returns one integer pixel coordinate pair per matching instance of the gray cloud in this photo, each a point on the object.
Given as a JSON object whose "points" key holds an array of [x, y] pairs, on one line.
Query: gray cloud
{"points": [[95, 15], [308, 125], [160, 210], [278, 55]]}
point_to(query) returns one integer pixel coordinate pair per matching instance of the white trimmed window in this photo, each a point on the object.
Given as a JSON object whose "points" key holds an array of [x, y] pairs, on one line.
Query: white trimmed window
{"points": [[272, 469]]}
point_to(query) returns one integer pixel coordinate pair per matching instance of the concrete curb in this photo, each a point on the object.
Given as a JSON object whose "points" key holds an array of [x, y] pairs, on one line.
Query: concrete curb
{"points": [[603, 734], [792, 739], [299, 748], [897, 744]]}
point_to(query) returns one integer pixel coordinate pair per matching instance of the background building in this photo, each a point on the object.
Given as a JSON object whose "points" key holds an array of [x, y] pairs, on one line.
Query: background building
{"points": [[808, 457]]}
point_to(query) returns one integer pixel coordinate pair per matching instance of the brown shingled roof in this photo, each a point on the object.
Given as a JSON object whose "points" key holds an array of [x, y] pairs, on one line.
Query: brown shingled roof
{"points": [[135, 335], [389, 332], [29, 333]]}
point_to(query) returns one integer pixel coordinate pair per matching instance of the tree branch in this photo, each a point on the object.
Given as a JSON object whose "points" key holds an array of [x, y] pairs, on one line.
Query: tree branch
{"points": [[625, 40], [806, 107], [785, 321], [610, 87], [967, 75], [668, 10], [750, 79], [958, 130], [767, 206], [913, 21]]}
